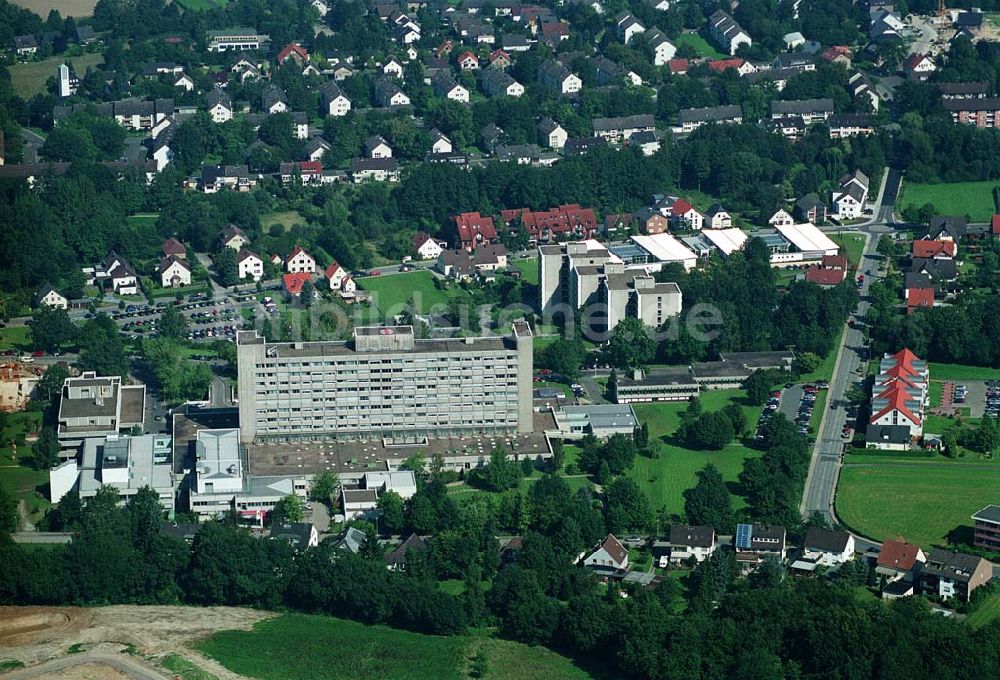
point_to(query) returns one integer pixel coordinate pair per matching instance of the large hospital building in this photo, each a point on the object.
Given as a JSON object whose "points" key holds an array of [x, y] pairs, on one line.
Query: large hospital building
{"points": [[384, 384]]}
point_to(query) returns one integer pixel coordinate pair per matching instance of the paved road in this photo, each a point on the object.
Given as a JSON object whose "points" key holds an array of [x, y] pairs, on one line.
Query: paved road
{"points": [[42, 537], [824, 469], [791, 397], [122, 662]]}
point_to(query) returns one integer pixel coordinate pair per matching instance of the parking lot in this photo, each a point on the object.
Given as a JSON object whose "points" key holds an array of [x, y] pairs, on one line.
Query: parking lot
{"points": [[980, 397], [795, 402]]}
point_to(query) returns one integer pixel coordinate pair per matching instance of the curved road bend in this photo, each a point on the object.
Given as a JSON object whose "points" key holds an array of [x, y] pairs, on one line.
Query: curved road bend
{"points": [[120, 662]]}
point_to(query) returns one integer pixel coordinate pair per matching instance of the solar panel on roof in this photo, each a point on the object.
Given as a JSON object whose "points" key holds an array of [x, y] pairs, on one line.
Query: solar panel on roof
{"points": [[744, 534]]}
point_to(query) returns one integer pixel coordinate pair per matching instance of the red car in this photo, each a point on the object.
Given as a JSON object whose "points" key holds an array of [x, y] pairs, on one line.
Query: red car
{"points": [[38, 353], [374, 272], [776, 393]]}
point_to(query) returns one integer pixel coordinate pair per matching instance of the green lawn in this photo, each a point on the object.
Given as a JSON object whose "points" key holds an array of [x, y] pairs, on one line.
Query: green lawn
{"points": [[28, 79], [391, 292], [15, 337], [665, 479], [299, 647], [700, 45], [201, 5], [934, 391], [960, 372], [184, 669], [16, 476], [553, 385], [986, 612], [529, 269], [922, 499], [463, 492], [285, 219], [852, 244], [958, 198]]}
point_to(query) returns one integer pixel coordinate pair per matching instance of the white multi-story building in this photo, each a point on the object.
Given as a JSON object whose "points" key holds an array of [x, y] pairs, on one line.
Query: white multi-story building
{"points": [[236, 40], [384, 383]]}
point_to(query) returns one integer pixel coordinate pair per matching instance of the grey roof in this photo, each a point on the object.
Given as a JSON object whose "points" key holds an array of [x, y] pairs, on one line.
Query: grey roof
{"points": [[710, 113], [936, 269], [637, 122], [297, 533], [218, 96], [826, 540], [951, 564], [801, 106], [952, 88], [954, 225], [808, 202], [352, 540], [412, 542], [366, 164], [991, 513], [547, 125], [692, 536], [887, 434], [862, 120]]}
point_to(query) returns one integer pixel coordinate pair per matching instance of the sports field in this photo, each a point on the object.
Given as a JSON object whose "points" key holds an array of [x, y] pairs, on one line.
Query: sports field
{"points": [[299, 647], [958, 198], [392, 291], [665, 479], [28, 79], [921, 499]]}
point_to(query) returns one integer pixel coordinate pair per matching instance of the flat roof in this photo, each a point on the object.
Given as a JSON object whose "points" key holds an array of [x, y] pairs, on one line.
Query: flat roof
{"points": [[726, 240], [807, 238], [444, 345], [674, 375], [665, 248]]}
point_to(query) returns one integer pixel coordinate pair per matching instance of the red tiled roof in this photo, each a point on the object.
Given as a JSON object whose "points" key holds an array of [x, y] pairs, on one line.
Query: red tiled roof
{"points": [[293, 282], [678, 65], [331, 270], [174, 247], [496, 54], [920, 297], [933, 248], [836, 51], [551, 28], [720, 65], [296, 250], [898, 554], [914, 60], [473, 227], [467, 53], [995, 223], [563, 219], [897, 398], [681, 207], [824, 276], [905, 358], [288, 49], [614, 548], [311, 167]]}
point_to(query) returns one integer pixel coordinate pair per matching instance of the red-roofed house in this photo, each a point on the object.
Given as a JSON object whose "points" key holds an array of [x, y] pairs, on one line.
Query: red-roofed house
{"points": [[919, 297], [335, 276], [678, 67], [608, 556], [838, 54], [293, 283], [426, 248], [897, 406], [939, 250], [474, 229], [682, 211], [174, 247], [293, 51], [500, 60], [555, 31], [831, 272], [899, 560], [900, 392], [995, 225], [564, 221], [742, 66], [310, 172], [919, 66], [467, 61]]}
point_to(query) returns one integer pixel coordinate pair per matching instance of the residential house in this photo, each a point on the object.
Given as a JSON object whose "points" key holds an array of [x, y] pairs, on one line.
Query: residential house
{"points": [[796, 61], [445, 86], [273, 100], [627, 27], [473, 230], [316, 148], [376, 147], [986, 528], [570, 221], [678, 67], [838, 54], [174, 272], [662, 49], [553, 32], [919, 66], [900, 393], [793, 40], [780, 218], [293, 51], [790, 127], [248, 264], [500, 60], [689, 120], [499, 83], [651, 221], [899, 563], [220, 106], [236, 40], [440, 144], [393, 68], [463, 264], [960, 90], [551, 133], [936, 269], [810, 208], [173, 247], [295, 284], [681, 214], [233, 237], [716, 217], [885, 25], [216, 177], [48, 296], [831, 271], [426, 247], [620, 129], [333, 101], [374, 169], [755, 543], [116, 272], [848, 202], [947, 574], [948, 228], [300, 535], [25, 45], [811, 110], [388, 94], [726, 33], [689, 542], [649, 141], [741, 66], [607, 557], [558, 78], [846, 125], [299, 261], [396, 559], [184, 82], [824, 548], [934, 249], [888, 437], [467, 61]]}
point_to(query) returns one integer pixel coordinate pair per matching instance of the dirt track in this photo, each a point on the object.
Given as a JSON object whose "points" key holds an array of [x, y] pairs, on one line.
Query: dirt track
{"points": [[34, 635]]}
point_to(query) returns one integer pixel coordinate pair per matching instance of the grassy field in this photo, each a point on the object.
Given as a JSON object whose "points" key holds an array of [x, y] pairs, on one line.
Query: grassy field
{"points": [[15, 337], [184, 669], [853, 245], [529, 269], [959, 198], [921, 499], [19, 479], [29, 79], [463, 492], [285, 219], [201, 5], [298, 647], [960, 372], [393, 291], [68, 8], [988, 611], [665, 479], [700, 45]]}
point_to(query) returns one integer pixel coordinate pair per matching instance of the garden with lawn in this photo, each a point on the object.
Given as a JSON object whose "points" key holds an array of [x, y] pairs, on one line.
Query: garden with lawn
{"points": [[701, 46], [16, 473], [853, 246], [391, 292], [923, 499], [974, 199], [665, 479], [17, 338], [529, 269], [300, 647]]}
